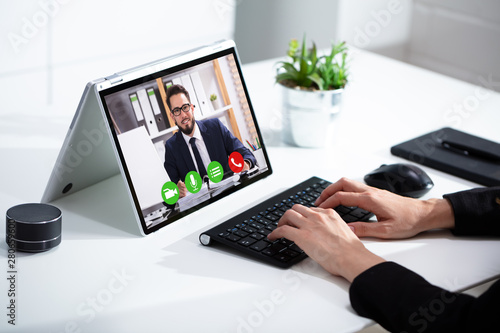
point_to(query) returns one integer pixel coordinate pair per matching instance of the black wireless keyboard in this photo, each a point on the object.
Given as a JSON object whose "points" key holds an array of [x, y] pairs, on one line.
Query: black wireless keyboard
{"points": [[247, 232]]}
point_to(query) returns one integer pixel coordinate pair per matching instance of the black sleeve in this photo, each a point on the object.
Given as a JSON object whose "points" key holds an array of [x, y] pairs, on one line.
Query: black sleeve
{"points": [[477, 211], [402, 301]]}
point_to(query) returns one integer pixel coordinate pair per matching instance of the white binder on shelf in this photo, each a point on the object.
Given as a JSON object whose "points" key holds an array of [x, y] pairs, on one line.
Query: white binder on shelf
{"points": [[160, 122], [203, 102], [137, 110], [148, 112]]}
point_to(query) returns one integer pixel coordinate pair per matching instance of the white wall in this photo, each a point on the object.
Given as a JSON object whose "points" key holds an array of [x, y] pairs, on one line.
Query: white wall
{"points": [[381, 26], [263, 28], [52, 48], [459, 38]]}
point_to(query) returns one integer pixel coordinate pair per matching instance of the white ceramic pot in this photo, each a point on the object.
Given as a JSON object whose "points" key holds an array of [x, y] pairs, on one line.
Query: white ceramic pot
{"points": [[307, 115], [215, 104]]}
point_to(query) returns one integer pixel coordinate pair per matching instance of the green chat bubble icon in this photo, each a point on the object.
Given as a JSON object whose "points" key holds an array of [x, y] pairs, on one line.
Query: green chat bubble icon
{"points": [[215, 171]]}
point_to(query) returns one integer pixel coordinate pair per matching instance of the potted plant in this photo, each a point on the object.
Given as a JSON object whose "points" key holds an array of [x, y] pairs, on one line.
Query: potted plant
{"points": [[215, 102], [312, 88]]}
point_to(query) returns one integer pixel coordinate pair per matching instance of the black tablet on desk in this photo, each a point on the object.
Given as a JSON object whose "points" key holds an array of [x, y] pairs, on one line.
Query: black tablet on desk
{"points": [[455, 152]]}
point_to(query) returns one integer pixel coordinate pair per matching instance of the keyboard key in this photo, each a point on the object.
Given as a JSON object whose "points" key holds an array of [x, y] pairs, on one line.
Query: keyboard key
{"points": [[290, 253], [295, 248], [308, 198], [269, 251], [233, 237], [314, 195], [357, 213], [257, 236], [282, 257], [247, 241], [272, 217], [248, 229], [285, 242], [350, 218], [342, 210], [364, 211], [264, 221], [324, 184], [256, 225], [259, 246], [240, 233], [278, 246], [279, 213], [284, 208], [264, 232]]}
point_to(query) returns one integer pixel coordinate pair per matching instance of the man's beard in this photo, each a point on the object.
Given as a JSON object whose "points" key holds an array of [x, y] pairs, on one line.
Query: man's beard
{"points": [[188, 129]]}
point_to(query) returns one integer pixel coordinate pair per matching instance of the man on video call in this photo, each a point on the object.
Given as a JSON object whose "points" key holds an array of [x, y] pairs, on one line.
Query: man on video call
{"points": [[197, 143]]}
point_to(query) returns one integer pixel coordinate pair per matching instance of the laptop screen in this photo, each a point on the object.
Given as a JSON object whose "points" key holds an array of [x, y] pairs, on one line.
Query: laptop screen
{"points": [[186, 135]]}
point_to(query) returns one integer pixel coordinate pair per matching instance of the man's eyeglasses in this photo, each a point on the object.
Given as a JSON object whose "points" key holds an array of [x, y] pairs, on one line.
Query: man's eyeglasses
{"points": [[186, 107]]}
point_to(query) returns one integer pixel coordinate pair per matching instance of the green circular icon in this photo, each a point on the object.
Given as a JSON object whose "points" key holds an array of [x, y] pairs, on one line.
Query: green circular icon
{"points": [[193, 182], [215, 171], [170, 193]]}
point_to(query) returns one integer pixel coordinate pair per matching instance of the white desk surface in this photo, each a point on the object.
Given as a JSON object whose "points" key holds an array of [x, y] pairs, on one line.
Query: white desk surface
{"points": [[103, 277]]}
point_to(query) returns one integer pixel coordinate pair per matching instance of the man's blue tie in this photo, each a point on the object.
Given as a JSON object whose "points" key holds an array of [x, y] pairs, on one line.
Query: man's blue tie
{"points": [[197, 156]]}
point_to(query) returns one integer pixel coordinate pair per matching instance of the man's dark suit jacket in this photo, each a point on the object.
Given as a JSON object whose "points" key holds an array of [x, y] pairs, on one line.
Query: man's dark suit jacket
{"points": [[220, 144], [402, 301]]}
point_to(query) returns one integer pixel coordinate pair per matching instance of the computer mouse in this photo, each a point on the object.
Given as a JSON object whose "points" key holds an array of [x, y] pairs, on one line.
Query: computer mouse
{"points": [[400, 178]]}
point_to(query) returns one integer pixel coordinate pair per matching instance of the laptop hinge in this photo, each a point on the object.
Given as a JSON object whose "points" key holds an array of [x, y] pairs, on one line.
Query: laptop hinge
{"points": [[115, 78]]}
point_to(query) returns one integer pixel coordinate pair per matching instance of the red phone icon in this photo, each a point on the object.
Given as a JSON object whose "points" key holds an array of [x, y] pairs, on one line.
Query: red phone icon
{"points": [[236, 162]]}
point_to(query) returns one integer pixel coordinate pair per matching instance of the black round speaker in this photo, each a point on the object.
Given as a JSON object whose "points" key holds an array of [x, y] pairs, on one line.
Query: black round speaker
{"points": [[33, 227]]}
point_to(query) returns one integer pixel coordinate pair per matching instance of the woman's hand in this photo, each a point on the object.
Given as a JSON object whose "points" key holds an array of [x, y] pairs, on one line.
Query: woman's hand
{"points": [[397, 216], [327, 239]]}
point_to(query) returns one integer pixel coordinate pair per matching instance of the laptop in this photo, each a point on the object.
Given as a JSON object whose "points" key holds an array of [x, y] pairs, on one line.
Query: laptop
{"points": [[123, 125]]}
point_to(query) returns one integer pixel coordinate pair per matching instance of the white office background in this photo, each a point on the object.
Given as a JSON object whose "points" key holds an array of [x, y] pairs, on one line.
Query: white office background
{"points": [[51, 48]]}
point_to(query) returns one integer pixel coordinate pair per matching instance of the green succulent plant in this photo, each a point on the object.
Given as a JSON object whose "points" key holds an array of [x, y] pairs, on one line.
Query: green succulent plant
{"points": [[308, 71]]}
